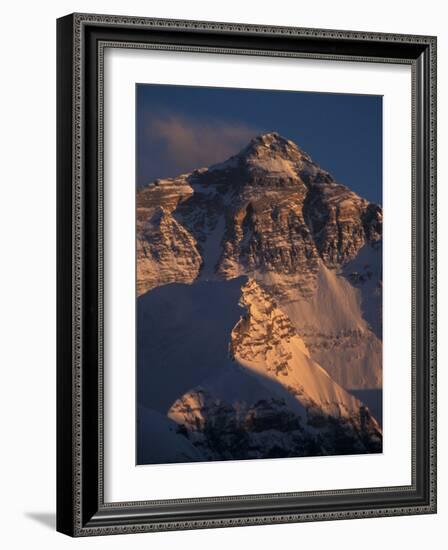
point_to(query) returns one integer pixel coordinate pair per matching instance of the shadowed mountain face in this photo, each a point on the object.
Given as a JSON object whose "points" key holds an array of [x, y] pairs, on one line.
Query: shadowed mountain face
{"points": [[183, 338], [268, 231]]}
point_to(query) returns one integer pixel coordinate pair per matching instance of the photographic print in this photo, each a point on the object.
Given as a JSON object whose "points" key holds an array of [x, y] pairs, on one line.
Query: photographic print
{"points": [[258, 274]]}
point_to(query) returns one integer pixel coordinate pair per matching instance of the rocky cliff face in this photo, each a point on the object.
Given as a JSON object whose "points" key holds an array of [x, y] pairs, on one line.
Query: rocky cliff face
{"points": [[272, 213], [282, 213], [166, 252]]}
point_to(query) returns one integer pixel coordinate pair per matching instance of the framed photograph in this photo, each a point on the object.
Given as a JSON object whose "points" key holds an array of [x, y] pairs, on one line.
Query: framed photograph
{"points": [[246, 274]]}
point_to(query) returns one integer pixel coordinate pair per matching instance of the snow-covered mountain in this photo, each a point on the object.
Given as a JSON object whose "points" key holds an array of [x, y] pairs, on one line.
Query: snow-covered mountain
{"points": [[269, 230]]}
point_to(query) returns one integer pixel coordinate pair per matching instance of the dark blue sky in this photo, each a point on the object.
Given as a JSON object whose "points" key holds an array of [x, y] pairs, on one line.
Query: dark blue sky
{"points": [[180, 128]]}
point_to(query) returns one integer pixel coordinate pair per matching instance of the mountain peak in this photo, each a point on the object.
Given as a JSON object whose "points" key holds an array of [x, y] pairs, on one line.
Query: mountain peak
{"points": [[271, 145], [269, 140]]}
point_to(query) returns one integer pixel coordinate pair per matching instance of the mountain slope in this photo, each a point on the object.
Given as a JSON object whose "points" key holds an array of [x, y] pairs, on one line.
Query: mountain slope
{"points": [[271, 213]]}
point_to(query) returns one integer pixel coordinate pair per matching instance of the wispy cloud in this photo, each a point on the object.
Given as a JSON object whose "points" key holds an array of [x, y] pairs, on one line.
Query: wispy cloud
{"points": [[183, 143]]}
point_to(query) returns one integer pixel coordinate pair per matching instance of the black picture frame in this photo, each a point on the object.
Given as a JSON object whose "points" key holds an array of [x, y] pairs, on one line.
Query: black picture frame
{"points": [[81, 510]]}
